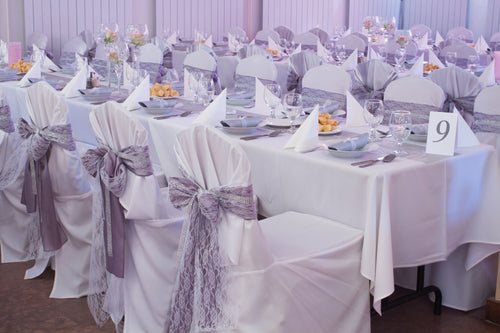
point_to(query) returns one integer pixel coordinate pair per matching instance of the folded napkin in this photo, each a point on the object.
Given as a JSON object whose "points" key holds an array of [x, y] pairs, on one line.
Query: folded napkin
{"points": [[260, 103], [232, 43], [141, 93], [127, 73], [352, 143], [306, 137], [354, 115], [215, 111], [322, 52], [465, 136], [373, 55], [297, 49], [433, 59], [274, 46], [351, 62], [422, 42], [5, 51], [241, 122], [439, 38], [80, 61], [208, 42], [244, 94], [48, 65], [76, 83], [347, 32], [418, 67], [252, 42], [172, 39], [488, 77], [419, 129], [34, 73], [481, 45]]}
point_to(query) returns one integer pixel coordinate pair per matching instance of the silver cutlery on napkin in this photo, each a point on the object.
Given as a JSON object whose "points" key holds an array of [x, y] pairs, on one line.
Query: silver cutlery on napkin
{"points": [[251, 137], [386, 159]]}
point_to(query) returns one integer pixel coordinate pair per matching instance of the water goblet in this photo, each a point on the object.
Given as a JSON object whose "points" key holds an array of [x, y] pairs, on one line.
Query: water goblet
{"points": [[194, 84], [471, 63], [399, 126], [373, 113], [118, 55], [451, 59], [207, 90], [293, 107], [341, 53], [272, 97]]}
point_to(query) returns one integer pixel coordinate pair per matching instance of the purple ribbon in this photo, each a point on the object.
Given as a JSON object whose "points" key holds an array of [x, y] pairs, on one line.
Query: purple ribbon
{"points": [[111, 167], [37, 190], [202, 265], [6, 123]]}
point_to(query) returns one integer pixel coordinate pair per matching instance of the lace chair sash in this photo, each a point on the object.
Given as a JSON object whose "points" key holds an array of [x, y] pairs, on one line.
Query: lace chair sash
{"points": [[247, 83], [37, 191], [111, 166], [153, 69], [67, 60], [463, 104], [419, 112], [310, 97], [101, 67], [201, 283], [6, 123], [486, 123]]}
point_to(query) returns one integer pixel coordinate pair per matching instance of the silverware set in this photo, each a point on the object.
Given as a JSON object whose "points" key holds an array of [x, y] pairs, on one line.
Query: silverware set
{"points": [[184, 114], [386, 159], [271, 135]]}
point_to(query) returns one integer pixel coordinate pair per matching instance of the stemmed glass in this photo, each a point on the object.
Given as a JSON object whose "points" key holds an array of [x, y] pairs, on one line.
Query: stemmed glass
{"points": [[399, 126], [471, 63], [207, 89], [194, 84], [272, 97], [118, 55], [136, 36], [402, 39], [373, 113], [293, 107], [108, 34], [341, 52], [389, 26], [451, 59]]}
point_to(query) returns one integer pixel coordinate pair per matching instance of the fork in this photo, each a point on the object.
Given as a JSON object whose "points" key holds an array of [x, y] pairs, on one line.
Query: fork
{"points": [[184, 114], [251, 137]]}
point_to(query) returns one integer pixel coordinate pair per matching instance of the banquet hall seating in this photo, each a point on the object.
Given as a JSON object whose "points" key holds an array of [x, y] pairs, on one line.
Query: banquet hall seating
{"points": [[325, 82], [141, 272], [461, 33], [419, 30], [165, 49], [203, 61], [308, 40], [487, 117], [72, 46], [285, 33], [60, 193], [413, 93], [352, 42], [261, 37], [461, 88], [40, 40], [370, 78], [362, 36], [150, 59], [88, 38], [236, 32], [251, 50], [393, 48], [462, 50], [292, 272], [322, 34], [256, 66], [300, 63]]}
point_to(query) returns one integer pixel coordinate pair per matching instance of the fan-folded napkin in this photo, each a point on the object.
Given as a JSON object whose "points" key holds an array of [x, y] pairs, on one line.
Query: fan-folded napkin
{"points": [[373, 55], [187, 91], [76, 83], [433, 59], [172, 39], [34, 73], [347, 32], [215, 111], [208, 42], [418, 67], [128, 72], [354, 115], [271, 44], [465, 136], [141, 93], [233, 44], [260, 103], [352, 143], [47, 63], [351, 62], [306, 137], [488, 77], [297, 49]]}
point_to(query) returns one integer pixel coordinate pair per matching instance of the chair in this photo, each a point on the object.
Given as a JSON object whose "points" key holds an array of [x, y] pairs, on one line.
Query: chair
{"points": [[150, 59], [141, 272], [251, 50], [462, 50], [393, 48], [236, 32], [419, 30], [261, 37], [300, 63], [308, 40], [72, 46], [486, 123], [371, 78], [461, 88], [352, 42], [461, 33], [285, 32], [39, 39], [245, 275], [323, 36], [100, 61], [416, 94], [325, 82], [252, 67], [206, 63], [494, 40], [200, 46]]}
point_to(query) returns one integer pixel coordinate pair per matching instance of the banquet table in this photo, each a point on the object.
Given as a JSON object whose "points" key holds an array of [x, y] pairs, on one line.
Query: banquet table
{"points": [[413, 211]]}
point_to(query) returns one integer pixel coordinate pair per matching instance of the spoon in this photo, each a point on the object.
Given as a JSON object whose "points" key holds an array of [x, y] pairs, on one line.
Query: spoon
{"points": [[271, 135], [386, 159]]}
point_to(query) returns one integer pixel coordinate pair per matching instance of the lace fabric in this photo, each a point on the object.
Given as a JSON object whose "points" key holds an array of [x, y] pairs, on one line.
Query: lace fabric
{"points": [[419, 112], [311, 97], [486, 123]]}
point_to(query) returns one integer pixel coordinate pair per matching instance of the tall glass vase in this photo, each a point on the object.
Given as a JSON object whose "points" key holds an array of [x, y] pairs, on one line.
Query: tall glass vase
{"points": [[108, 64], [136, 52]]}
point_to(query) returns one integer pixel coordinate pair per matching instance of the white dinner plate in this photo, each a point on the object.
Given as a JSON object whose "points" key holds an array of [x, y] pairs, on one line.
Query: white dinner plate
{"points": [[280, 123], [240, 102], [335, 131], [238, 130], [353, 153], [418, 137]]}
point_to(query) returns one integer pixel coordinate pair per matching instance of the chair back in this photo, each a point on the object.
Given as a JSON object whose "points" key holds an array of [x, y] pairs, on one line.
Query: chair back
{"points": [[39, 39], [300, 63], [462, 50], [487, 111], [325, 82], [75, 45], [251, 50], [494, 40], [353, 42], [308, 40], [461, 33], [100, 52], [372, 77], [324, 37], [257, 66], [261, 38], [88, 38], [151, 53], [237, 32], [420, 30], [200, 59], [285, 32]]}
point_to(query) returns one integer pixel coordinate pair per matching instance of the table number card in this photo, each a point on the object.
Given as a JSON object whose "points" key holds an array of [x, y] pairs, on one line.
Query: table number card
{"points": [[441, 134]]}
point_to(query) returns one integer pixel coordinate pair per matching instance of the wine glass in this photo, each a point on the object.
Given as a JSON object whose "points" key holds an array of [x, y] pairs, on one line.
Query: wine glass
{"points": [[207, 89], [471, 62], [118, 55], [194, 84], [399, 126], [373, 113], [293, 107], [272, 97], [451, 59], [108, 33], [341, 52]]}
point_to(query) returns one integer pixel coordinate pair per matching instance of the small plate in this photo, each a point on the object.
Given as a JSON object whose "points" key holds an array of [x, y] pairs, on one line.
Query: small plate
{"points": [[418, 137], [239, 102], [238, 130], [280, 123], [352, 153], [335, 131]]}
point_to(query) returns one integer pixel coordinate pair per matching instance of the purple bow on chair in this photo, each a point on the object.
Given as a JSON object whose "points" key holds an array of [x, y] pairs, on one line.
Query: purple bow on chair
{"points": [[37, 190], [202, 275], [6, 124], [111, 167]]}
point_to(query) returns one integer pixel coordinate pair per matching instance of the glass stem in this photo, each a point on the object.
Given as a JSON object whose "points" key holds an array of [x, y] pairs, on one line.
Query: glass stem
{"points": [[109, 73]]}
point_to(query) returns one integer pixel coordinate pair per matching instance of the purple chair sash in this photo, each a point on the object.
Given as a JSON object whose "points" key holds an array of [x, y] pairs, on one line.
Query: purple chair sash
{"points": [[37, 190], [486, 123], [463, 104], [311, 97], [202, 275], [111, 166], [6, 123], [419, 112]]}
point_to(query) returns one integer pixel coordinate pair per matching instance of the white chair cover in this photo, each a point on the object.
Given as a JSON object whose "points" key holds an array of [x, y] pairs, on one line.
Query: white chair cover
{"points": [[200, 59], [250, 50], [413, 92], [461, 33], [328, 78], [237, 32], [308, 40], [88, 38], [261, 37], [160, 43], [75, 45], [39, 39], [100, 52], [300, 63], [324, 37], [285, 32], [151, 53], [487, 117], [257, 66], [352, 42], [420, 30], [360, 35], [72, 196], [150, 226], [289, 273], [463, 52]]}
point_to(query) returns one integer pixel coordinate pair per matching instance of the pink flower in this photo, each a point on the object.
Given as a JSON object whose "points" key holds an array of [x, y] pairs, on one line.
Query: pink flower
{"points": [[368, 24], [137, 39], [388, 27], [402, 41], [110, 37]]}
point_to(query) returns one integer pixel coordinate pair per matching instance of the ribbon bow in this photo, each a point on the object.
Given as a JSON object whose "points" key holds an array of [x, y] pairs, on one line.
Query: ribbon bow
{"points": [[463, 104], [111, 166], [202, 275], [37, 190], [6, 123]]}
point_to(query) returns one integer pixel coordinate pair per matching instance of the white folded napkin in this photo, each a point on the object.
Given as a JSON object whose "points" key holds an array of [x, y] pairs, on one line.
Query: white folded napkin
{"points": [[351, 143], [354, 110], [80, 61], [347, 32], [208, 42], [141, 93], [422, 42], [215, 111], [465, 136], [271, 44], [373, 55], [418, 67], [76, 83], [351, 62], [187, 91], [48, 65], [481, 45], [306, 137], [127, 73], [297, 49], [252, 42], [34, 73], [260, 103], [172, 39], [197, 36], [433, 59], [439, 38], [488, 76], [232, 42], [322, 52]]}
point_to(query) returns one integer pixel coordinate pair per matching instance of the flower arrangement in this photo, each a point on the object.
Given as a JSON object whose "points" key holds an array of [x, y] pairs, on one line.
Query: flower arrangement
{"points": [[389, 27], [368, 24], [137, 39], [110, 37], [113, 57], [402, 41]]}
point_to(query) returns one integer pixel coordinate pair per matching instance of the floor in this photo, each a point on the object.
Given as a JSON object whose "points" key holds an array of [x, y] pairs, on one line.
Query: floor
{"points": [[25, 307]]}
